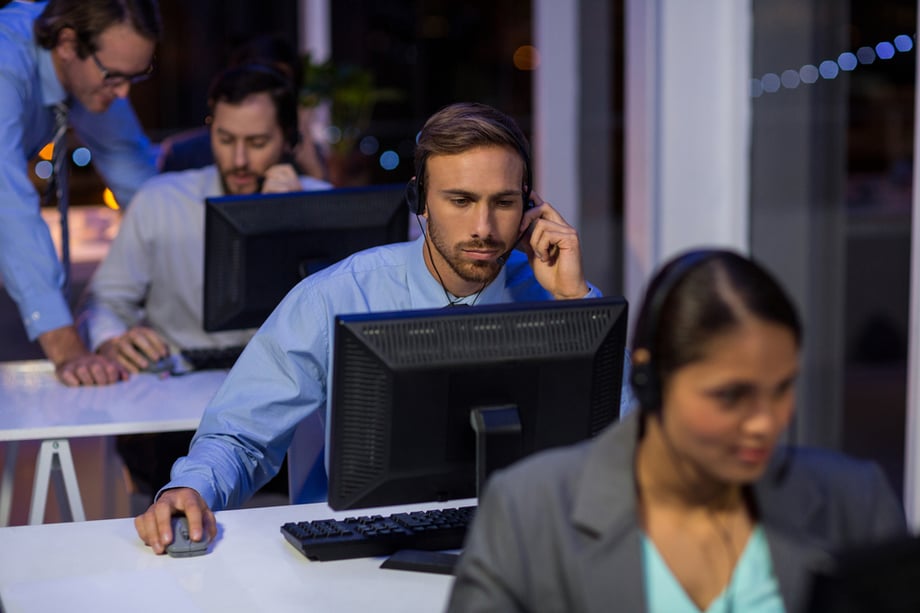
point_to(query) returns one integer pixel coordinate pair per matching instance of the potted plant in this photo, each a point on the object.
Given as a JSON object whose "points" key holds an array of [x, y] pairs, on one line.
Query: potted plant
{"points": [[338, 102]]}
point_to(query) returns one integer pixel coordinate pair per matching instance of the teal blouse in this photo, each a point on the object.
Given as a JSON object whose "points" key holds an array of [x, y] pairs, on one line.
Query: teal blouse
{"points": [[752, 589]]}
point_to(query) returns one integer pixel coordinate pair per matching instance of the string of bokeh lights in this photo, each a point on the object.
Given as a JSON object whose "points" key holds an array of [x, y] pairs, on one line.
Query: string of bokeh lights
{"points": [[527, 58], [770, 83]]}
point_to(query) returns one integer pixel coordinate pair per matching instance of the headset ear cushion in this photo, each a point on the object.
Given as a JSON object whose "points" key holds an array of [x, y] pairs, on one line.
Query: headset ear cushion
{"points": [[412, 198], [645, 387]]}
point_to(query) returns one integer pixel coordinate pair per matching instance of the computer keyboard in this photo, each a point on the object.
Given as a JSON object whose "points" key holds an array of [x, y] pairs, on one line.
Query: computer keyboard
{"points": [[211, 358], [379, 535]]}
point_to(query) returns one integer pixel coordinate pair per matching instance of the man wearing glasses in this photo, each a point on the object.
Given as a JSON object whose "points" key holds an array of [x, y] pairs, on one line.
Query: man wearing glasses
{"points": [[67, 63]]}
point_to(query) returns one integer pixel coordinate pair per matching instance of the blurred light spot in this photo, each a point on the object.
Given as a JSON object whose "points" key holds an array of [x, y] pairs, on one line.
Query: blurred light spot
{"points": [[866, 55], [790, 79], [847, 61], [526, 57], [389, 160], [44, 169], [368, 145], [46, 152], [770, 82], [81, 156], [885, 50], [808, 73], [109, 199], [829, 69], [333, 134]]}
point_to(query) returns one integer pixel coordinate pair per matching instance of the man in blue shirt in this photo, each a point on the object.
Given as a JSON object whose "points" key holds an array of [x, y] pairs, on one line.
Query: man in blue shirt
{"points": [[473, 188], [145, 300], [84, 54]]}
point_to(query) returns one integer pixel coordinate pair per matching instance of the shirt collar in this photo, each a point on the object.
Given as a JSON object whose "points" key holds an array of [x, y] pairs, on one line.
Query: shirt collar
{"points": [[52, 90], [215, 187]]}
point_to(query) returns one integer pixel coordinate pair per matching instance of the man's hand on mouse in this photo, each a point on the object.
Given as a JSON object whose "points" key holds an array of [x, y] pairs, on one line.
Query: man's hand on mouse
{"points": [[136, 349], [155, 525]]}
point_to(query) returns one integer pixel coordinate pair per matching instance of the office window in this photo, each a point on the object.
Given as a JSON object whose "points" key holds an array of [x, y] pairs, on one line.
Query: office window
{"points": [[832, 91], [423, 55]]}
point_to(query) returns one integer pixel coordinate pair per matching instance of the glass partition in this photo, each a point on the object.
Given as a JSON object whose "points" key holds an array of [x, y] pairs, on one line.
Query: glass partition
{"points": [[832, 92]]}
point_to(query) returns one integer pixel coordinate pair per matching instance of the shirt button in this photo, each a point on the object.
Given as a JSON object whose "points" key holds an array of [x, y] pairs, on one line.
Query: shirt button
{"points": [[36, 315]]}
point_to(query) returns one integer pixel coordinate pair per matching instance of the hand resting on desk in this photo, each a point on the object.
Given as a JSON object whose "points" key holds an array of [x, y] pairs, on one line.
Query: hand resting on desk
{"points": [[73, 363], [155, 525]]}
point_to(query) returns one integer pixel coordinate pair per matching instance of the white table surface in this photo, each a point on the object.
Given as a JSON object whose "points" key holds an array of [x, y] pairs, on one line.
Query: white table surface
{"points": [[103, 566], [35, 405]]}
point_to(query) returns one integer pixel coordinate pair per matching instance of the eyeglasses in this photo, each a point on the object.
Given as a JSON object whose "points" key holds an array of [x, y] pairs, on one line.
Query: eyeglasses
{"points": [[117, 79]]}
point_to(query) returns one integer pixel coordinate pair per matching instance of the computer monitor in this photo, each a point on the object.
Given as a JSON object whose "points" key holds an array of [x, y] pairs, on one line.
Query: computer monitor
{"points": [[877, 577], [257, 247], [425, 403]]}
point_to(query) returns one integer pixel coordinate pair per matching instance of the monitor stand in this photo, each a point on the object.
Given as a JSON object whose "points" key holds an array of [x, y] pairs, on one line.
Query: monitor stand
{"points": [[439, 562], [498, 444], [498, 440]]}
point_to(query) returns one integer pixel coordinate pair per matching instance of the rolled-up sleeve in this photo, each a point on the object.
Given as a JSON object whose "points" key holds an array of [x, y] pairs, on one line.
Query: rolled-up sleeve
{"points": [[29, 262]]}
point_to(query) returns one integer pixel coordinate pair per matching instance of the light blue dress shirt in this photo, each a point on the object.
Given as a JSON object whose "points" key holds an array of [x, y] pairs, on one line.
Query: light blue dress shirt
{"points": [[753, 587], [283, 375], [29, 89]]}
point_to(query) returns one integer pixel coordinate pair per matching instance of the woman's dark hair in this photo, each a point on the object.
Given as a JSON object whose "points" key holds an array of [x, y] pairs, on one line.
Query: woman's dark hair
{"points": [[234, 85], [90, 18], [692, 299]]}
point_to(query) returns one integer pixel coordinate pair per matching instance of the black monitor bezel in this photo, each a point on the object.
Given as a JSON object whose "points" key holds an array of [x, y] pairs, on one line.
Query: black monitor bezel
{"points": [[234, 227], [342, 464]]}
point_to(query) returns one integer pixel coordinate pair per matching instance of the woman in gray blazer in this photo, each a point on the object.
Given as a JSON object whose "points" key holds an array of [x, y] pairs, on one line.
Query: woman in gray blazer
{"points": [[689, 504]]}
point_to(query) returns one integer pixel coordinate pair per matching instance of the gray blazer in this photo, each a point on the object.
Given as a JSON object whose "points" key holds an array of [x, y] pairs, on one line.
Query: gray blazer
{"points": [[560, 531]]}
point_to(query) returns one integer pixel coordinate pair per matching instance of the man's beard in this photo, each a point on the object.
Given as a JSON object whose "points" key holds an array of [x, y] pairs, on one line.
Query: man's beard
{"points": [[475, 271], [226, 186]]}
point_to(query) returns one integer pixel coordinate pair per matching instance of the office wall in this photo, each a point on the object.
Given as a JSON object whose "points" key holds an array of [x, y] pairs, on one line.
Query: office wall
{"points": [[687, 130]]}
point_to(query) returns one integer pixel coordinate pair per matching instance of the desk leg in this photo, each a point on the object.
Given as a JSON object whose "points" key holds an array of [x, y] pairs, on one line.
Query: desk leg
{"points": [[55, 457], [9, 479], [114, 477]]}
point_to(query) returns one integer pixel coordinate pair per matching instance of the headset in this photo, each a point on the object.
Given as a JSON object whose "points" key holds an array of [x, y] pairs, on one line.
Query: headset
{"points": [[415, 195], [415, 189], [644, 377]]}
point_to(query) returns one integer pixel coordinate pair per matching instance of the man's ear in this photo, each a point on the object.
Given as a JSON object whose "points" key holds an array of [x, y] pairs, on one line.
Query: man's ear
{"points": [[66, 45]]}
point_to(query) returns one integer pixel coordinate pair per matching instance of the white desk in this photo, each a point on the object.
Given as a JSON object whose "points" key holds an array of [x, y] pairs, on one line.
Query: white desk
{"points": [[34, 405], [103, 566]]}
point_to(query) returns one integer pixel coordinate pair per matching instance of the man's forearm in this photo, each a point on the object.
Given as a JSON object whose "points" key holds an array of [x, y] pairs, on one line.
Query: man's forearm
{"points": [[62, 344]]}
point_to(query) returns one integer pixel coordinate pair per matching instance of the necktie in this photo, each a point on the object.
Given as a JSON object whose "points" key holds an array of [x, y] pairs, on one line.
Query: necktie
{"points": [[59, 186]]}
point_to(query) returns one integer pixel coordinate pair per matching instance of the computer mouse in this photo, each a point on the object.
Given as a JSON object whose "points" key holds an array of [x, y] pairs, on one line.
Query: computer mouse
{"points": [[163, 365], [183, 546]]}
